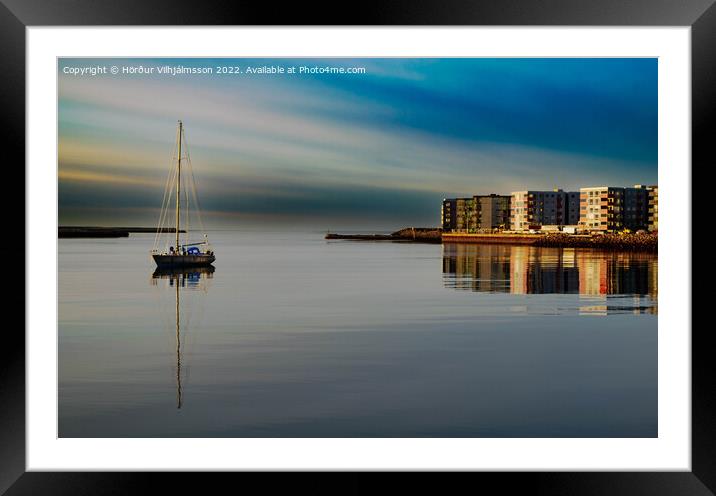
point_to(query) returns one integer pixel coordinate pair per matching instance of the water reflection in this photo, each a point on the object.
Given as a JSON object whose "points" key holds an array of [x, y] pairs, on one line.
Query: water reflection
{"points": [[606, 282], [178, 279], [190, 277]]}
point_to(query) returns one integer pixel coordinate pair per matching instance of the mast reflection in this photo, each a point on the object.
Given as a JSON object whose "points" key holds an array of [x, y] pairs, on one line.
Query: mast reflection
{"points": [[186, 278]]}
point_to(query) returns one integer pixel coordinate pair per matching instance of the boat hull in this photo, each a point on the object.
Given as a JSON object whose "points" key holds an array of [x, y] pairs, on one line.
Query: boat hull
{"points": [[201, 260]]}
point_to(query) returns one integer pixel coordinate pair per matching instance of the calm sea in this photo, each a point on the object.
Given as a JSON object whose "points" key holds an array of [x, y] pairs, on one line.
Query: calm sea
{"points": [[294, 336]]}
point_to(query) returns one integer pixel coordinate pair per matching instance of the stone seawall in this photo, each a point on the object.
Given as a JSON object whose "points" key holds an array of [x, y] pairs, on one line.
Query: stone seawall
{"points": [[502, 239], [647, 242]]}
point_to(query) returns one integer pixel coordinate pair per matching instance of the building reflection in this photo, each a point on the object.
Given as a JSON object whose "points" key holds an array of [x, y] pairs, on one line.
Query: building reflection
{"points": [[604, 281], [179, 280]]}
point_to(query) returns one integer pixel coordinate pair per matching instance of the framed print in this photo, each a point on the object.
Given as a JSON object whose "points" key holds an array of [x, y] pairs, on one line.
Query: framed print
{"points": [[425, 241]]}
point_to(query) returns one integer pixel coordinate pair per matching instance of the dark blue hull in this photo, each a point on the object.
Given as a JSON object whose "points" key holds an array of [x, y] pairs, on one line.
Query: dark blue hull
{"points": [[183, 260]]}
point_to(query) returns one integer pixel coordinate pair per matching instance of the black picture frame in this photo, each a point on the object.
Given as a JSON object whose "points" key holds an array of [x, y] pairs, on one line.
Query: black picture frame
{"points": [[700, 15]]}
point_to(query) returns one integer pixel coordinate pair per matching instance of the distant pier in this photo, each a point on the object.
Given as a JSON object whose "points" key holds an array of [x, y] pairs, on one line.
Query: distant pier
{"points": [[106, 232], [409, 234]]}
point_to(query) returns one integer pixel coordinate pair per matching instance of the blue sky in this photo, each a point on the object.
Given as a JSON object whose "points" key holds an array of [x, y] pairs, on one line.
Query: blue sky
{"points": [[379, 149]]}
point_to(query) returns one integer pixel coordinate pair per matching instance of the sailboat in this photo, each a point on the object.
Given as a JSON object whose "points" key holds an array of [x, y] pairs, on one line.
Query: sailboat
{"points": [[178, 252]]}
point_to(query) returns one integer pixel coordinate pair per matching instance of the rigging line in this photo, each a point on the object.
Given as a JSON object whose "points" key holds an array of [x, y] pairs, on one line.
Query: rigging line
{"points": [[187, 212], [161, 211], [194, 193], [187, 227], [164, 199], [191, 172], [186, 193], [165, 219], [192, 189], [196, 199], [168, 192], [177, 199], [165, 208]]}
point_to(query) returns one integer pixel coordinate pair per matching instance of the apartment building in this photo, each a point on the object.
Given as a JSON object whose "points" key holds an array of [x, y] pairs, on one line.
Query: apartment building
{"points": [[447, 214], [614, 208], [653, 209], [493, 211], [636, 207], [533, 209], [572, 208], [459, 214], [480, 212], [601, 208]]}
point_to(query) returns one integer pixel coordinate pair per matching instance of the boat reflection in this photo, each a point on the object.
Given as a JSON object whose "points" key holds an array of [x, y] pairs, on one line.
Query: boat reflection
{"points": [[178, 279], [605, 281], [187, 276]]}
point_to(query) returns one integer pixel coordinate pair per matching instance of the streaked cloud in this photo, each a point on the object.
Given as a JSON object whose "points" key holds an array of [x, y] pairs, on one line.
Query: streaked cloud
{"points": [[67, 175], [389, 143]]}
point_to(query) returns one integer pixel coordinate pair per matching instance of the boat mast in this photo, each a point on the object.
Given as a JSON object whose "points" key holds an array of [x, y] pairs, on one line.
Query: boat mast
{"points": [[178, 185]]}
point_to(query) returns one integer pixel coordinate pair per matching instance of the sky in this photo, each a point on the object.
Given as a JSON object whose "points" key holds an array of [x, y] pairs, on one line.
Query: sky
{"points": [[378, 149]]}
